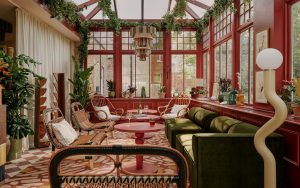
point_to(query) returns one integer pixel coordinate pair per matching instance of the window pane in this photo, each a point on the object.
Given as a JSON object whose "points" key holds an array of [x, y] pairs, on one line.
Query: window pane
{"points": [[184, 40], [102, 40], [128, 70], [229, 59], [223, 60], [177, 73], [142, 78], [103, 70], [156, 74], [206, 71], [295, 40], [217, 64], [189, 72]]}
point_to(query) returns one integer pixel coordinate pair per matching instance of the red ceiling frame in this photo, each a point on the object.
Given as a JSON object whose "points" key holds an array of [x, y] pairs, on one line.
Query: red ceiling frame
{"points": [[90, 2], [191, 12], [93, 13], [198, 4], [169, 5]]}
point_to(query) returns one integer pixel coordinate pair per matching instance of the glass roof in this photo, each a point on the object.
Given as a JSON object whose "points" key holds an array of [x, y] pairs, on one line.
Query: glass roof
{"points": [[131, 9]]}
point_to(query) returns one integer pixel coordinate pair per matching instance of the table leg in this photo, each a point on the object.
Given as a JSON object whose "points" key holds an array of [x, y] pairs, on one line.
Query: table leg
{"points": [[139, 158]]}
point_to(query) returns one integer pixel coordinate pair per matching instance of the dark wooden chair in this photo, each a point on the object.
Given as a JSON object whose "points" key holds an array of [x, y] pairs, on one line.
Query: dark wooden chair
{"points": [[99, 102], [165, 111], [58, 178]]}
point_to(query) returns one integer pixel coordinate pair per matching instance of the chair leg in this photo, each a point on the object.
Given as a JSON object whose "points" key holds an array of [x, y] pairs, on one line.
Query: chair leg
{"points": [[91, 164]]}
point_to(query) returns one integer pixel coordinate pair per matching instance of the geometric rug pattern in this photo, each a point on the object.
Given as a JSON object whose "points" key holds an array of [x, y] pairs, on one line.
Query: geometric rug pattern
{"points": [[31, 171]]}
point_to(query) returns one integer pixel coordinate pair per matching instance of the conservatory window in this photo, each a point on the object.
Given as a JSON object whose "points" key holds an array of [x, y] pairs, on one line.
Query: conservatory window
{"points": [[103, 70], [148, 74], [206, 71], [183, 40], [183, 73], [205, 39], [222, 24], [246, 64], [101, 40], [246, 11], [223, 61], [295, 40], [127, 41]]}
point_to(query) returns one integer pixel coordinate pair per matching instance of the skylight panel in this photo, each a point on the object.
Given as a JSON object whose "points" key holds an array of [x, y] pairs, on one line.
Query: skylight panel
{"points": [[199, 11], [129, 9], [78, 2], [89, 9], [155, 9], [99, 16], [207, 2]]}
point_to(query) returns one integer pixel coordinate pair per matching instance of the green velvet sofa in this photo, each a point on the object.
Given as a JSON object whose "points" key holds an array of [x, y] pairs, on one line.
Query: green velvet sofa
{"points": [[197, 119], [223, 155]]}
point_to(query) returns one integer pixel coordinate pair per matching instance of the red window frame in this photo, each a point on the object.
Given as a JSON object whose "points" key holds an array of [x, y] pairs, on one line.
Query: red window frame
{"points": [[222, 24]]}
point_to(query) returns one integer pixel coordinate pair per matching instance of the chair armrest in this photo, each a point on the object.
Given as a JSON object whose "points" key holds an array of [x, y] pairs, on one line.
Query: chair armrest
{"points": [[233, 160], [102, 119], [161, 109], [118, 111], [181, 113]]}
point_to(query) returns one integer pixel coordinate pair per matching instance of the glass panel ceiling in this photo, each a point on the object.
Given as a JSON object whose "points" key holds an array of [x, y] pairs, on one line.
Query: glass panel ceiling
{"points": [[131, 9]]}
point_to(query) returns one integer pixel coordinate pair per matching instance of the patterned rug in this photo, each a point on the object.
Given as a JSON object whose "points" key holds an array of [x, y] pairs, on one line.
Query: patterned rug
{"points": [[36, 175]]}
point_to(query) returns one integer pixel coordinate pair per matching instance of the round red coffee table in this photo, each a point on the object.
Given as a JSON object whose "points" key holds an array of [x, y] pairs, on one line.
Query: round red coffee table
{"points": [[139, 128], [149, 111]]}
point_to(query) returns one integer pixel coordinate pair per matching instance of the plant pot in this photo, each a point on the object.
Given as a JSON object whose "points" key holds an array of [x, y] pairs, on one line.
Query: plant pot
{"points": [[15, 150], [296, 109], [161, 95], [111, 94], [221, 98]]}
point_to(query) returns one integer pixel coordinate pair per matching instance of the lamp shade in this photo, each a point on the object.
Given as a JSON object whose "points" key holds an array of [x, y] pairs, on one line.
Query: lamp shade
{"points": [[269, 58]]}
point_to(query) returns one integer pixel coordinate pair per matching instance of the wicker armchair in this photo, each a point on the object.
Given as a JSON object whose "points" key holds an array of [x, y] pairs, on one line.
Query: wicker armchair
{"points": [[81, 120], [168, 111], [121, 178], [99, 102], [54, 115]]}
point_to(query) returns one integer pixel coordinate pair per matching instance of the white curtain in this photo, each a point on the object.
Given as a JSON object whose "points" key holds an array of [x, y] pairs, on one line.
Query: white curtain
{"points": [[46, 45]]}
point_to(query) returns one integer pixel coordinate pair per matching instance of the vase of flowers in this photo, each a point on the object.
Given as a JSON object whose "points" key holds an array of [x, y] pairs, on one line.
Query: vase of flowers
{"points": [[198, 92], [286, 94], [224, 85], [111, 87]]}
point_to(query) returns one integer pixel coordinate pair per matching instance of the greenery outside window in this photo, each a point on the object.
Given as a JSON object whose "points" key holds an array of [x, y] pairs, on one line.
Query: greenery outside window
{"points": [[246, 11], [223, 61], [295, 40], [206, 71], [183, 40]]}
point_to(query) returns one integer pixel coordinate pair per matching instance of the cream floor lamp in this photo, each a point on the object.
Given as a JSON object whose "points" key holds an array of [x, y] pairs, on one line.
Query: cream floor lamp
{"points": [[269, 60]]}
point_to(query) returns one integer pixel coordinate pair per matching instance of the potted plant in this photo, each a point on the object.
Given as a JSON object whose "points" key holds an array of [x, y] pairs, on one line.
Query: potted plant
{"points": [[224, 85], [162, 92], [81, 84], [286, 94], [143, 92], [111, 87], [17, 96], [296, 101], [198, 92], [129, 92]]}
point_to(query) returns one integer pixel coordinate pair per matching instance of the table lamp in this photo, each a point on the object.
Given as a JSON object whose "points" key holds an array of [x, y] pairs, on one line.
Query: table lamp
{"points": [[268, 60]]}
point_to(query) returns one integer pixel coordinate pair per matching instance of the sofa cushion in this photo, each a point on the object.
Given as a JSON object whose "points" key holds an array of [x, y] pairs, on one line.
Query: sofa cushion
{"points": [[183, 140], [189, 150], [180, 126], [222, 124], [192, 112], [243, 127], [204, 117]]}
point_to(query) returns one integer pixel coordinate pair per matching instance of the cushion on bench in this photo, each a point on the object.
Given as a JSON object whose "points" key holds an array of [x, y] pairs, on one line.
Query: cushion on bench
{"points": [[222, 124], [183, 140]]}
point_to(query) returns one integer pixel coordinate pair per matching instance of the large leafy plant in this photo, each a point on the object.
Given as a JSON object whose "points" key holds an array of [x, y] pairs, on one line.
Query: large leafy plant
{"points": [[81, 84], [18, 93]]}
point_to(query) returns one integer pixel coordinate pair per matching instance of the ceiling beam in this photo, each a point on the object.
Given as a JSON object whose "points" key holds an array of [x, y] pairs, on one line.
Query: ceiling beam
{"points": [[93, 13], [192, 13], [90, 2], [116, 9], [169, 6], [198, 4]]}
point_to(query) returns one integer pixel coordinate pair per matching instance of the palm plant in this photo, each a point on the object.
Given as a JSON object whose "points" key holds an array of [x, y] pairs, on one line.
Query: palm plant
{"points": [[18, 93], [81, 84]]}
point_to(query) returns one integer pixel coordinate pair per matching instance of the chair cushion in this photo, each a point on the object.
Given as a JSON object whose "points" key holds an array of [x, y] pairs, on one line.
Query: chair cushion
{"points": [[169, 116], [101, 114], [114, 117], [222, 124], [176, 108], [64, 132]]}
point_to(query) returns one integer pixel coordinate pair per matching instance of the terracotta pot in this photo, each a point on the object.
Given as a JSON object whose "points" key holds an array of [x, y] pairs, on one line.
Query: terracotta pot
{"points": [[161, 95], [15, 150], [296, 109]]}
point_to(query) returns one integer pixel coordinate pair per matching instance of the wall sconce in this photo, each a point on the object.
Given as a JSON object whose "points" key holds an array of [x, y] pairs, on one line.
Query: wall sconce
{"points": [[268, 60]]}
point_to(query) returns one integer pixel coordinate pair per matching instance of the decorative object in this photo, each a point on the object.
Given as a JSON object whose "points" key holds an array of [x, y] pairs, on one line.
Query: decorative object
{"points": [[232, 97], [198, 92], [143, 92], [261, 41], [224, 85], [269, 60], [162, 92], [81, 84], [17, 95], [40, 106], [259, 88], [240, 99], [111, 87]]}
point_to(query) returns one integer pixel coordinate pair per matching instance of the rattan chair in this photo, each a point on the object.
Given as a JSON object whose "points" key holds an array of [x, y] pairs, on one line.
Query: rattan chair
{"points": [[121, 178], [165, 111], [82, 122], [54, 115], [99, 101]]}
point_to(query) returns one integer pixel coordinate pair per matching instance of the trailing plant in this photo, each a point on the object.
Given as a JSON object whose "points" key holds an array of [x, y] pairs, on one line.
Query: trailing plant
{"points": [[18, 93], [81, 84]]}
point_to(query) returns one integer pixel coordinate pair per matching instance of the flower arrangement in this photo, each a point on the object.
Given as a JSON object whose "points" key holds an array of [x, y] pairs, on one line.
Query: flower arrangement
{"points": [[110, 85], [224, 84], [198, 90], [287, 90]]}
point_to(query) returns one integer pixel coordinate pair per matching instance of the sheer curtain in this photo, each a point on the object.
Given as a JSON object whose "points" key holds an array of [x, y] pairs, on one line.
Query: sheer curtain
{"points": [[46, 45]]}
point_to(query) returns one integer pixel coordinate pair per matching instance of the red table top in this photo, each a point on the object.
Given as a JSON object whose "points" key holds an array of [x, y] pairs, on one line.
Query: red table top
{"points": [[138, 127], [149, 111]]}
